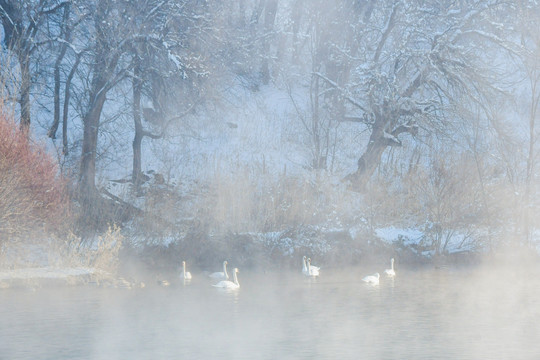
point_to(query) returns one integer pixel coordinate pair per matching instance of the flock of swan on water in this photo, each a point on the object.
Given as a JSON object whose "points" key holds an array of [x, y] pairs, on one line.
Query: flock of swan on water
{"points": [[307, 269]]}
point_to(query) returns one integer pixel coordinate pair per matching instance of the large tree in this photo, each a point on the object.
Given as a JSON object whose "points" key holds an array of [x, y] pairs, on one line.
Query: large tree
{"points": [[397, 66], [167, 71]]}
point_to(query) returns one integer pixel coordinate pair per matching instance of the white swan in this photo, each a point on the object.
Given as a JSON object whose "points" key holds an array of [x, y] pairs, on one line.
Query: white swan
{"points": [[313, 266], [311, 269], [390, 272], [221, 275], [186, 275], [226, 284], [372, 279]]}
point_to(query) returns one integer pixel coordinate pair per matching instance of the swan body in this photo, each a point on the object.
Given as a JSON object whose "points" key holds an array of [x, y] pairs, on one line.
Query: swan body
{"points": [[226, 284], [186, 275], [313, 267], [312, 270], [390, 272], [221, 275], [372, 279]]}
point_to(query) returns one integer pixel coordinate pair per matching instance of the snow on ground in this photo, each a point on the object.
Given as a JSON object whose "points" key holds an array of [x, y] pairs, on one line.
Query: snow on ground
{"points": [[416, 238], [392, 234], [45, 273], [245, 130], [287, 245]]}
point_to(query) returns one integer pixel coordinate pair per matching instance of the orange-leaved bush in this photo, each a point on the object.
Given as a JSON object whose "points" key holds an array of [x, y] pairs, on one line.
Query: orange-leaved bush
{"points": [[33, 195]]}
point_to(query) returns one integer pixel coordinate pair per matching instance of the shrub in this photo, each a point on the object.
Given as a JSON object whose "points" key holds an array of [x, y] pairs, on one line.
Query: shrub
{"points": [[103, 254], [32, 194]]}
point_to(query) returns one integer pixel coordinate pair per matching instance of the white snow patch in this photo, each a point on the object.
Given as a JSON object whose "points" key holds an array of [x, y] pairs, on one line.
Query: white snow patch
{"points": [[392, 234], [45, 273], [288, 246]]}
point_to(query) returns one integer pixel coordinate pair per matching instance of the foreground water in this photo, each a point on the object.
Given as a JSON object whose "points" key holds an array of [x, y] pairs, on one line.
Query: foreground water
{"points": [[421, 314]]}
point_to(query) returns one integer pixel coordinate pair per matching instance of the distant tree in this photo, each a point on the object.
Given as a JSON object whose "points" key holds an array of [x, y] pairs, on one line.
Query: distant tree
{"points": [[270, 10], [22, 21], [521, 152], [448, 197], [62, 44], [167, 64]]}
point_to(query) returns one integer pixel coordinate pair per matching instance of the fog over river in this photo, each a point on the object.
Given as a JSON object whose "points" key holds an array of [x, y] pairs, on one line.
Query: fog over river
{"points": [[423, 313]]}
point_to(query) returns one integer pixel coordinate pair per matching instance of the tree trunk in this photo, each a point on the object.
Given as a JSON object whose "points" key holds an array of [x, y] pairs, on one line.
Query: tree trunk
{"points": [[56, 115], [269, 19], [24, 100], [367, 163], [371, 158], [57, 63], [91, 121], [87, 182], [67, 95], [137, 140]]}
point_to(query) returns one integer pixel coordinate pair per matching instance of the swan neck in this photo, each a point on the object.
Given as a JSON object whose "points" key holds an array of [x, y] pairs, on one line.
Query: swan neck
{"points": [[225, 270], [235, 279]]}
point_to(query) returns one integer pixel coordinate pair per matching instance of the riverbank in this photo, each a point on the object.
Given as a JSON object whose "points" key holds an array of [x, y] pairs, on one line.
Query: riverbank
{"points": [[135, 263]]}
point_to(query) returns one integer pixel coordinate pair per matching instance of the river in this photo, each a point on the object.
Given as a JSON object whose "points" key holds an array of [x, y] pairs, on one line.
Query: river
{"points": [[422, 313]]}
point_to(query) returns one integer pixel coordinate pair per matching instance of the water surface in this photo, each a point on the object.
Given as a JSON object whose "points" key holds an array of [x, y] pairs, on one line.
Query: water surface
{"points": [[421, 314]]}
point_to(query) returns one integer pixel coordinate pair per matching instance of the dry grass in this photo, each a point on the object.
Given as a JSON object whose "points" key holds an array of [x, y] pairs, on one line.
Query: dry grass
{"points": [[101, 254], [252, 200], [104, 255]]}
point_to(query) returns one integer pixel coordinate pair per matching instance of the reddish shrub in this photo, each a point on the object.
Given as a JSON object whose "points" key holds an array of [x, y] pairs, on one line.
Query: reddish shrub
{"points": [[32, 194]]}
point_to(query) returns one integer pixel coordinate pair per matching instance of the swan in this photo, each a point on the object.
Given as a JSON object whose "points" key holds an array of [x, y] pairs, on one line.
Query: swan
{"points": [[313, 266], [390, 272], [312, 270], [221, 275], [186, 275], [226, 284], [372, 279]]}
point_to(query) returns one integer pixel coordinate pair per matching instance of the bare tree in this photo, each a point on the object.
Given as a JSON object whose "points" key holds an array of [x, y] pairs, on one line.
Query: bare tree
{"points": [[528, 110], [410, 61], [165, 63], [329, 39], [107, 50], [22, 21]]}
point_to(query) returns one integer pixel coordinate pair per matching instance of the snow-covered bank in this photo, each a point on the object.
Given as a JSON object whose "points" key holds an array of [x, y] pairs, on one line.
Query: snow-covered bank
{"points": [[32, 278], [46, 273], [46, 276]]}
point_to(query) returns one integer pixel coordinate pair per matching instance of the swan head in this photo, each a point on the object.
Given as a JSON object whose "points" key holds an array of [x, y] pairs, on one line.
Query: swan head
{"points": [[225, 263], [392, 260], [304, 258], [183, 263]]}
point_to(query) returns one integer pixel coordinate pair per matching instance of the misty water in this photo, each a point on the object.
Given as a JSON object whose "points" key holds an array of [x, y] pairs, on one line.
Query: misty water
{"points": [[421, 314]]}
